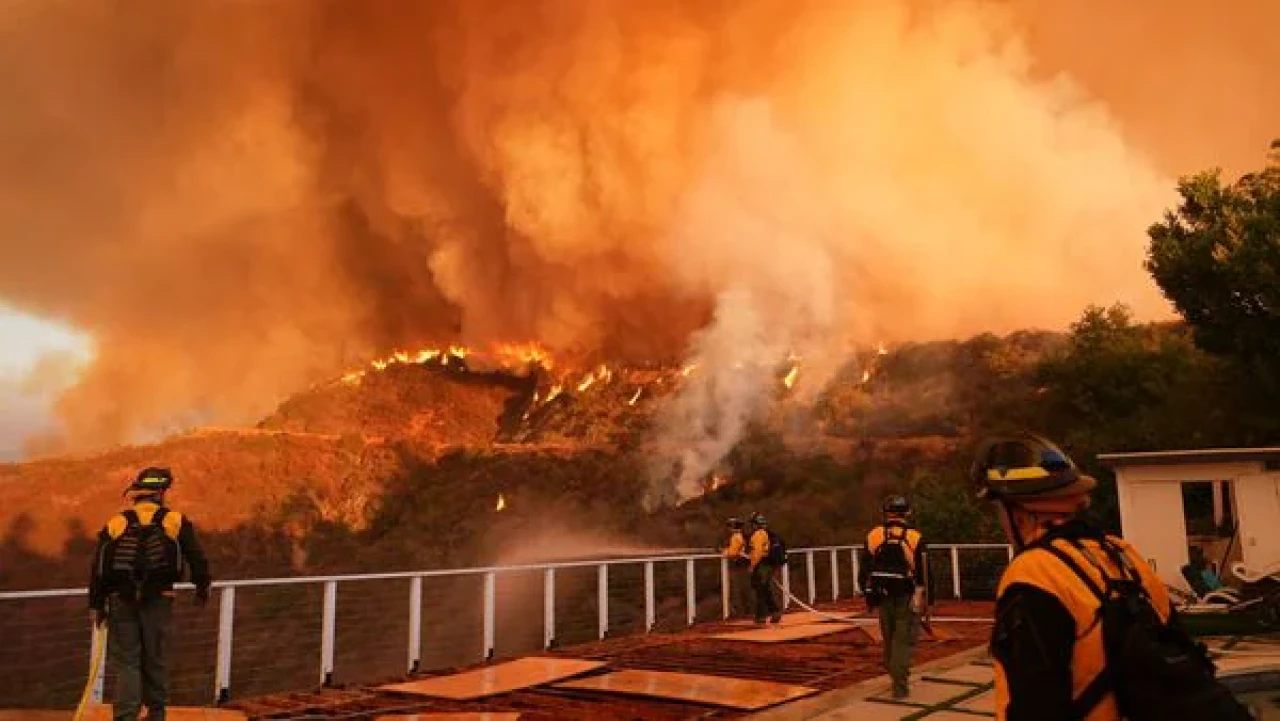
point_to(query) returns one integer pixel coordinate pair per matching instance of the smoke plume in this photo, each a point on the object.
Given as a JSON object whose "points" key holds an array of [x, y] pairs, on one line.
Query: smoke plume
{"points": [[237, 199]]}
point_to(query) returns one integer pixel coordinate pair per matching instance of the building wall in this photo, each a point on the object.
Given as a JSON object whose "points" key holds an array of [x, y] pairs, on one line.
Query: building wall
{"points": [[1259, 510]]}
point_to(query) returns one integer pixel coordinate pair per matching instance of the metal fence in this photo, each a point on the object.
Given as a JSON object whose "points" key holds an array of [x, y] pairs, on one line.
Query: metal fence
{"points": [[275, 635]]}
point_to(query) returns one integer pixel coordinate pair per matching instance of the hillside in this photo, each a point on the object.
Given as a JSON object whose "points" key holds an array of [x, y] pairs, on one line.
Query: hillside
{"points": [[404, 465]]}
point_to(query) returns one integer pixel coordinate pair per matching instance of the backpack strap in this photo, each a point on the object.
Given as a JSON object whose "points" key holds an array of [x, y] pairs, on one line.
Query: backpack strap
{"points": [[131, 517], [1104, 682], [157, 519]]}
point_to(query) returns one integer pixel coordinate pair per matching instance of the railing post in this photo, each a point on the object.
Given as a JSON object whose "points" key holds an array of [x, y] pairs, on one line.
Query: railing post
{"points": [[809, 574], [649, 609], [691, 591], [835, 577], [490, 602], [602, 591], [857, 585], [786, 585], [328, 630], [724, 588], [415, 623], [955, 571], [1009, 549], [549, 608], [222, 672]]}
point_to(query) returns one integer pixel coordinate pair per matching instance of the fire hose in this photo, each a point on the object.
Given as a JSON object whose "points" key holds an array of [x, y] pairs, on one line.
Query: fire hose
{"points": [[97, 651], [807, 607]]}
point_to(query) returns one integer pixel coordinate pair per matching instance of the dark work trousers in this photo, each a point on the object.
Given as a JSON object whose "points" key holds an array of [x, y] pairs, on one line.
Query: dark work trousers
{"points": [[762, 577], [138, 648], [898, 626]]}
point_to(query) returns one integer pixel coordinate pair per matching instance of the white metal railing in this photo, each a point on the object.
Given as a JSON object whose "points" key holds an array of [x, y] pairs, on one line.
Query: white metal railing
{"points": [[226, 625]]}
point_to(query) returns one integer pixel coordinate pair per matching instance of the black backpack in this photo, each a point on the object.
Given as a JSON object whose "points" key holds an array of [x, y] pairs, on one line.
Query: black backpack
{"points": [[777, 554], [890, 572], [143, 560], [1156, 670]]}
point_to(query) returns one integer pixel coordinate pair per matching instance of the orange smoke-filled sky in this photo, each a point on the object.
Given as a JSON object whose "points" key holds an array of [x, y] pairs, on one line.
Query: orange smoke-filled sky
{"points": [[234, 199]]}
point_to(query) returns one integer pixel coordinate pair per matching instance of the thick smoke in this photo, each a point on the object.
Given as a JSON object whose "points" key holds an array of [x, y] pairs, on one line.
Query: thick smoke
{"points": [[236, 199]]}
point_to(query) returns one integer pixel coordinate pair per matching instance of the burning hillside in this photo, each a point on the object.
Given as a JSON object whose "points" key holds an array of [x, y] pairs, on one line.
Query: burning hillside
{"points": [[513, 394]]}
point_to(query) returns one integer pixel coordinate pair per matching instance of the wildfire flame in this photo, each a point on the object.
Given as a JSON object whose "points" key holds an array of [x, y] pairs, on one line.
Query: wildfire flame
{"points": [[502, 503], [601, 374], [636, 397], [555, 391], [790, 379], [866, 375], [523, 354], [688, 369], [881, 350]]}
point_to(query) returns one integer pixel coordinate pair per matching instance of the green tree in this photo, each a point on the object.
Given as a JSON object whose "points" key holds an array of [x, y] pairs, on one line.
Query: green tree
{"points": [[1217, 258]]}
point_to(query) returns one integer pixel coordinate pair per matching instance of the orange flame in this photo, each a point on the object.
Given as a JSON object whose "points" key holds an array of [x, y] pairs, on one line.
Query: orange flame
{"points": [[523, 354], [502, 503], [866, 375], [636, 397], [555, 391], [790, 380]]}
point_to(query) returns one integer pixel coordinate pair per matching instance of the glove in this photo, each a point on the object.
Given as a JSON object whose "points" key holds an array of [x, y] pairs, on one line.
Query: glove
{"points": [[202, 596], [917, 601]]}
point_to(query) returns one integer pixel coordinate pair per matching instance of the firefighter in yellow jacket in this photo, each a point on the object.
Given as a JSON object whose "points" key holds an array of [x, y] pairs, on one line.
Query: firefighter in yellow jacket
{"points": [[141, 553], [764, 571], [893, 579], [739, 569], [1047, 643]]}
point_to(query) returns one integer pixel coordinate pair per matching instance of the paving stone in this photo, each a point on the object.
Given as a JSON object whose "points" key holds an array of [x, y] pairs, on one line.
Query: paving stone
{"points": [[969, 673], [985, 701], [869, 711], [925, 693]]}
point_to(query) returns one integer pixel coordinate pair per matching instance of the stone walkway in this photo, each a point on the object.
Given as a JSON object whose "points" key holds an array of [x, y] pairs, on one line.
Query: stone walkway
{"points": [[962, 693]]}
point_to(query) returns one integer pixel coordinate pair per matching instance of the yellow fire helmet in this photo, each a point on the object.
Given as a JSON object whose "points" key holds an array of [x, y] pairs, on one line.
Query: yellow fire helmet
{"points": [[153, 479], [1026, 467]]}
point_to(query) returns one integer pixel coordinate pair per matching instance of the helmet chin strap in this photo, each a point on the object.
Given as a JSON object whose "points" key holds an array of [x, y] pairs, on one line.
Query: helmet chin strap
{"points": [[1019, 543]]}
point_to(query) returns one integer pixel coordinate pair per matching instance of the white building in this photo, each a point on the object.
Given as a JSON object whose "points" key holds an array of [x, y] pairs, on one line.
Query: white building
{"points": [[1153, 517]]}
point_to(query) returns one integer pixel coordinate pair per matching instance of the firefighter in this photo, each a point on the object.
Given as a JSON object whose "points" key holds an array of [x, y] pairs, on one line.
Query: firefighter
{"points": [[739, 568], [1069, 587], [893, 579], [766, 556], [141, 554]]}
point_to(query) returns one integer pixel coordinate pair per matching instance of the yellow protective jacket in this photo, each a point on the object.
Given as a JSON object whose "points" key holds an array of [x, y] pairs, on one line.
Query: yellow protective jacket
{"points": [[1047, 643], [736, 546], [759, 546]]}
